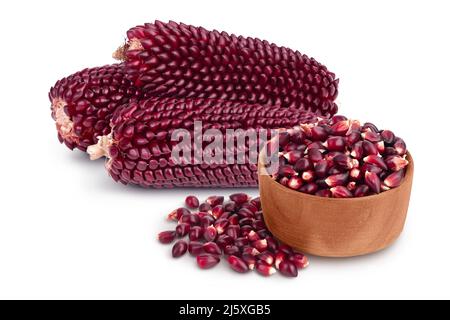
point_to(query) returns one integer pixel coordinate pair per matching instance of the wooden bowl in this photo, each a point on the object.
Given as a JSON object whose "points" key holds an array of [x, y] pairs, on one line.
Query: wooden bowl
{"points": [[331, 227]]}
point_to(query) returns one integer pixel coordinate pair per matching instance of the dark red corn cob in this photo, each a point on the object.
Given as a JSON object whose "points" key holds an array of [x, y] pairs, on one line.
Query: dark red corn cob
{"points": [[140, 145], [83, 103], [178, 60]]}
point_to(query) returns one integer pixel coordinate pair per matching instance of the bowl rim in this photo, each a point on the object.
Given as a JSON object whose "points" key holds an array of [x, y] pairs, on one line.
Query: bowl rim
{"points": [[263, 172]]}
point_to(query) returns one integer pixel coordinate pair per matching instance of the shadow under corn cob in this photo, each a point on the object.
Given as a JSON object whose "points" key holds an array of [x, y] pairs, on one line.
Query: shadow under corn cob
{"points": [[178, 60], [140, 145], [83, 103]]}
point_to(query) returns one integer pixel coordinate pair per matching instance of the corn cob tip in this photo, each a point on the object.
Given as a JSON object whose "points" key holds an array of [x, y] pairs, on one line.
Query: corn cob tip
{"points": [[101, 149], [83, 103], [121, 52], [64, 124]]}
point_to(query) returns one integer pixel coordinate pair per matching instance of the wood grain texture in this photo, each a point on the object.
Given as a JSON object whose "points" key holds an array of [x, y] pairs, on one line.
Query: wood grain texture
{"points": [[335, 227]]}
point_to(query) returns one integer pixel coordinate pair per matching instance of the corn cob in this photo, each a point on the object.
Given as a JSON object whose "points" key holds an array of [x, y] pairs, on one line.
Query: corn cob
{"points": [[140, 145], [178, 60], [83, 103]]}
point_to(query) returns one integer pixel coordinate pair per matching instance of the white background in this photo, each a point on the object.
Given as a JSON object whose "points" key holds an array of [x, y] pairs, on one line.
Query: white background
{"points": [[68, 231]]}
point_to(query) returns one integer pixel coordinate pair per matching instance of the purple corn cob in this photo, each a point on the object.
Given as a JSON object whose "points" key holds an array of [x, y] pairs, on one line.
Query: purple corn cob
{"points": [[140, 145], [83, 103], [177, 60]]}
